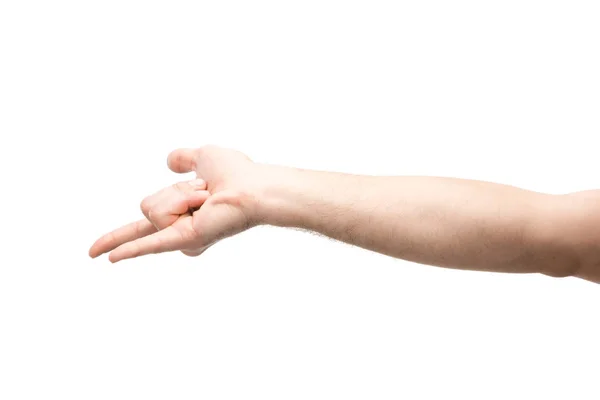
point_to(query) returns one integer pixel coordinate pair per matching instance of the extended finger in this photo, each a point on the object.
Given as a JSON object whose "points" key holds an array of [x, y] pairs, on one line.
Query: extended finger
{"points": [[121, 235], [168, 239]]}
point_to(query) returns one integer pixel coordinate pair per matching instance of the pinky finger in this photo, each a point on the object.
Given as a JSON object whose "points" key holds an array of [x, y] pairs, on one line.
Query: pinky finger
{"points": [[168, 239]]}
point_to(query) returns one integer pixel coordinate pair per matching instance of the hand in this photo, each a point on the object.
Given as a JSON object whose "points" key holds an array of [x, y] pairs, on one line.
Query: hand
{"points": [[192, 216]]}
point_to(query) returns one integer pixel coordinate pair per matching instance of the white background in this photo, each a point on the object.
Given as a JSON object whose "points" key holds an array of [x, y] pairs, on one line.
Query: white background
{"points": [[94, 95]]}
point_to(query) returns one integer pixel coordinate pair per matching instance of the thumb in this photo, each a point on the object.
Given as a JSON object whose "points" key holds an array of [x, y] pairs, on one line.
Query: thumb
{"points": [[182, 160]]}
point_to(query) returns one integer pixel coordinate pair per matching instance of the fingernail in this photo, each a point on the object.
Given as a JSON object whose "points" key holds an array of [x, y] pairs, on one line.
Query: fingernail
{"points": [[197, 183]]}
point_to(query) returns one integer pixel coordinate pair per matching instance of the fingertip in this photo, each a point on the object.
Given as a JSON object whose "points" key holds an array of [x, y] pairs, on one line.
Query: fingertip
{"points": [[198, 184], [99, 247], [116, 255], [181, 160], [113, 258], [93, 252]]}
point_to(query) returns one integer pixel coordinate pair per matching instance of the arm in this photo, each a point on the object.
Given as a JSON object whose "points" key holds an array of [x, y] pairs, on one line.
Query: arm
{"points": [[445, 222], [440, 221]]}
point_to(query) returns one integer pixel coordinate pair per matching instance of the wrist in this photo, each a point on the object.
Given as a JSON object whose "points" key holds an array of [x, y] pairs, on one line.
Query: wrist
{"points": [[272, 203], [558, 237]]}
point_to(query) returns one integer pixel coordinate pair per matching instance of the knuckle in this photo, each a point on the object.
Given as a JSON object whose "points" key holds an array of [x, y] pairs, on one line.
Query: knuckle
{"points": [[137, 228], [136, 250], [145, 205], [152, 214], [110, 238]]}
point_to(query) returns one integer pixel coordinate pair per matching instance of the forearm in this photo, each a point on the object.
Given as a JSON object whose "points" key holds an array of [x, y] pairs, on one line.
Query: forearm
{"points": [[438, 221]]}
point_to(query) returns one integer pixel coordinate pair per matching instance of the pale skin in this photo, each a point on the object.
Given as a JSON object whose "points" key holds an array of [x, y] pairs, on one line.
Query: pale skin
{"points": [[445, 222]]}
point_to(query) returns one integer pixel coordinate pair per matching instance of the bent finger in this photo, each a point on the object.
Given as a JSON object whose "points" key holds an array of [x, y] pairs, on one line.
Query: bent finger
{"points": [[155, 204], [170, 208], [182, 203]]}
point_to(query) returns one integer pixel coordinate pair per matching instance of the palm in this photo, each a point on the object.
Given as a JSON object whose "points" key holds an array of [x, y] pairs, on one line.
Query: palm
{"points": [[215, 220]]}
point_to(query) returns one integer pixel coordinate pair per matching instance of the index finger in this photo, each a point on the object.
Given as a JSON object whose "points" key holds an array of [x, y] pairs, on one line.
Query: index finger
{"points": [[168, 239], [124, 234]]}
